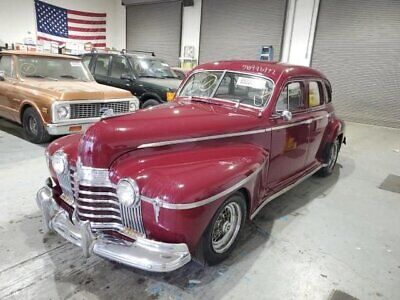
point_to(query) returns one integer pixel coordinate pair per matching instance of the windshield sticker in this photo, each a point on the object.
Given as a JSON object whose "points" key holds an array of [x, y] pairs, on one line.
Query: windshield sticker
{"points": [[75, 64], [255, 83]]}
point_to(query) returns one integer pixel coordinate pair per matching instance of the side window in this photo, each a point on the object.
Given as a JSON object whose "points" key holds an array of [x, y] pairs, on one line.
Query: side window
{"points": [[291, 98], [314, 94], [102, 63], [119, 66], [6, 65], [86, 60]]}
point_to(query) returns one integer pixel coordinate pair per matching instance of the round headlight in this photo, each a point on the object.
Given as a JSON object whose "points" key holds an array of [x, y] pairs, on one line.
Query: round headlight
{"points": [[59, 162], [133, 105], [63, 112], [128, 192]]}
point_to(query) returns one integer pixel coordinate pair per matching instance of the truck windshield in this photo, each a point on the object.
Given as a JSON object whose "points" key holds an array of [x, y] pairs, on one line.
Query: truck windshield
{"points": [[152, 67], [52, 68], [229, 86]]}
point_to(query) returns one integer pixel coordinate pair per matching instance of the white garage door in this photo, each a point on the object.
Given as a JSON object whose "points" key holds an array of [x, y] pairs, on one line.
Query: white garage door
{"points": [[155, 27], [357, 46], [236, 29]]}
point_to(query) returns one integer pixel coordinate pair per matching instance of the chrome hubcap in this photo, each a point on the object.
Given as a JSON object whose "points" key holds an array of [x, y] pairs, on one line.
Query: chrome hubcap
{"points": [[33, 126], [226, 227]]}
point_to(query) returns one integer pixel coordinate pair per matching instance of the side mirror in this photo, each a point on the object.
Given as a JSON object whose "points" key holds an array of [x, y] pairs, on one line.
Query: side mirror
{"points": [[2, 75], [127, 77], [286, 115]]}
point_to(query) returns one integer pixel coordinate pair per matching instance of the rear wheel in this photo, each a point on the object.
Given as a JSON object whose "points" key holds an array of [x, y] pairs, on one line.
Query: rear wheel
{"points": [[331, 155], [149, 103], [33, 127], [224, 229]]}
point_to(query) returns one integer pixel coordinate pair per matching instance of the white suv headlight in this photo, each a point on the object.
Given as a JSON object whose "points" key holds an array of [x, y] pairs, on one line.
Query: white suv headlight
{"points": [[61, 112], [59, 162], [128, 192]]}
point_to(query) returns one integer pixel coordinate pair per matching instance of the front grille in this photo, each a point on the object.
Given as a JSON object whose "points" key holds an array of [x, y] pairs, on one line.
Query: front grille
{"points": [[100, 205], [95, 110]]}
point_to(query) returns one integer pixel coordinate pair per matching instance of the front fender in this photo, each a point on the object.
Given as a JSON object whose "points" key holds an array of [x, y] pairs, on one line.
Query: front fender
{"points": [[183, 181]]}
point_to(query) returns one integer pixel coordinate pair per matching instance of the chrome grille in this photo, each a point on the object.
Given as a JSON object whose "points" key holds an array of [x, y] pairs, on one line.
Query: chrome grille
{"points": [[99, 204], [95, 110]]}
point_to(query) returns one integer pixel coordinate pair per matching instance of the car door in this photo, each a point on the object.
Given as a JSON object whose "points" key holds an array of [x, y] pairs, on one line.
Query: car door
{"points": [[319, 118], [289, 136], [7, 86], [102, 68], [121, 73]]}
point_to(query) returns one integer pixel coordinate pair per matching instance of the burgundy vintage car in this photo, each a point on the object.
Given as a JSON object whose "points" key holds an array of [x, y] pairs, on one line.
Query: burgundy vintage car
{"points": [[155, 188]]}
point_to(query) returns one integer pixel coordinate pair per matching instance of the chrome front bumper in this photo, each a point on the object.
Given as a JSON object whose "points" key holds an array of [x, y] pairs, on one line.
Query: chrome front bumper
{"points": [[143, 253]]}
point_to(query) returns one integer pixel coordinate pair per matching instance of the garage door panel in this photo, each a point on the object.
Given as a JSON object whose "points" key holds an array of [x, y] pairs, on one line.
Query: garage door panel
{"points": [[234, 29], [357, 46], [155, 27]]}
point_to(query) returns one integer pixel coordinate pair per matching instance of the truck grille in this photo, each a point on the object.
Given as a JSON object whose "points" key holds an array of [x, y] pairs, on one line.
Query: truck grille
{"points": [[95, 110], [100, 205]]}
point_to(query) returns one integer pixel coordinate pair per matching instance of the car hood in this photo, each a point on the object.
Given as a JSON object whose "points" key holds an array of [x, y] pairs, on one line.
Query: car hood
{"points": [[75, 90], [109, 138], [170, 83]]}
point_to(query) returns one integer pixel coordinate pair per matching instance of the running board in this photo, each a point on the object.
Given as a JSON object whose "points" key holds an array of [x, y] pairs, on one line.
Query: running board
{"points": [[289, 187]]}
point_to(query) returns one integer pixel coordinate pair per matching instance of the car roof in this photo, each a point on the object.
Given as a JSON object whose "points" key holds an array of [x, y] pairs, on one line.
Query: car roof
{"points": [[41, 54], [273, 70]]}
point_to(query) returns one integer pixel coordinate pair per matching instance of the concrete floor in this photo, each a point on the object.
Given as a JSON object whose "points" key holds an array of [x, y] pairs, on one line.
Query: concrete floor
{"points": [[336, 233]]}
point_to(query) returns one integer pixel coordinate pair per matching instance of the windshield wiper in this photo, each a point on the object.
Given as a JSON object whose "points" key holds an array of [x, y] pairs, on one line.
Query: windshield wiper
{"points": [[170, 77], [35, 76]]}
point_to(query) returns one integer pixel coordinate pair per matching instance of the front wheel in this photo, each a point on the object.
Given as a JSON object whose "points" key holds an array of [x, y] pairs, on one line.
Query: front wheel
{"points": [[332, 153], [33, 127], [149, 103], [224, 229]]}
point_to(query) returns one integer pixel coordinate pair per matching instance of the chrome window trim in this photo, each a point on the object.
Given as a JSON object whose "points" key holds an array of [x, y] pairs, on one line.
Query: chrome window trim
{"points": [[261, 108]]}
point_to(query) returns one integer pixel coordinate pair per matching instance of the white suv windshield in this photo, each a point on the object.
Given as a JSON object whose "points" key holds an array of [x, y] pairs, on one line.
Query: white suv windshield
{"points": [[236, 87], [52, 68]]}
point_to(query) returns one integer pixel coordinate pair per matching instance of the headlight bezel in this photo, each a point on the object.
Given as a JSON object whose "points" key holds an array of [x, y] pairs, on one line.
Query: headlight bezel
{"points": [[55, 160], [133, 104], [57, 107], [128, 183]]}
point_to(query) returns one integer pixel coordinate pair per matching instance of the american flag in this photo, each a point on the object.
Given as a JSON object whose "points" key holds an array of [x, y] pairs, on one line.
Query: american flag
{"points": [[57, 24]]}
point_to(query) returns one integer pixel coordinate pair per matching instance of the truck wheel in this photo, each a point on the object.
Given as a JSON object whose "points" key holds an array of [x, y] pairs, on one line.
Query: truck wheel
{"points": [[331, 154], [222, 233], [33, 127], [149, 103]]}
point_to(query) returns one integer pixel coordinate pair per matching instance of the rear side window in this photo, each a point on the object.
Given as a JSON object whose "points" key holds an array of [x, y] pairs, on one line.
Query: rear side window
{"points": [[6, 65], [102, 63], [314, 94], [291, 98], [328, 93]]}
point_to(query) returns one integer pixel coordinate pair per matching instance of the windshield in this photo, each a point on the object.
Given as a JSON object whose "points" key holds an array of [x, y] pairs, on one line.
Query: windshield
{"points": [[152, 67], [52, 68], [236, 87]]}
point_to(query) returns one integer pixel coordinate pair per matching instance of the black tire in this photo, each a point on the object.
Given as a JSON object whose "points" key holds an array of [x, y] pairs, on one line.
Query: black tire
{"points": [[33, 127], [150, 102], [330, 158], [212, 253]]}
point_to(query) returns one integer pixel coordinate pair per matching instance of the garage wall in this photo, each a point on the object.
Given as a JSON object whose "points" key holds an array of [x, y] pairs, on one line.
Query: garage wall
{"points": [[155, 27], [357, 46], [17, 17], [237, 29]]}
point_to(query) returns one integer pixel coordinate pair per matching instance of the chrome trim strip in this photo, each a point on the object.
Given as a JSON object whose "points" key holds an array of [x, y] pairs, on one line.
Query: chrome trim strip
{"points": [[284, 190], [161, 203], [198, 139], [98, 201], [99, 216], [100, 209], [84, 192]]}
